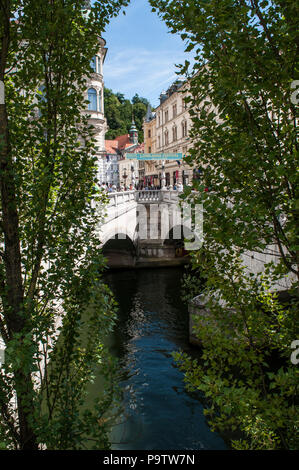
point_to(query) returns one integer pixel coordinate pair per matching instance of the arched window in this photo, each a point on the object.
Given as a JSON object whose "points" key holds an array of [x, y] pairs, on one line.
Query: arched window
{"points": [[100, 102], [92, 98], [93, 64], [184, 129], [166, 137], [174, 133]]}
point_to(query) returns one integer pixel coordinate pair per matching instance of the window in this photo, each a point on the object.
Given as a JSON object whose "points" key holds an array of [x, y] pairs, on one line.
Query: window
{"points": [[184, 129], [149, 133], [159, 141], [174, 110], [174, 133], [100, 102], [92, 98], [166, 116], [93, 64], [166, 137]]}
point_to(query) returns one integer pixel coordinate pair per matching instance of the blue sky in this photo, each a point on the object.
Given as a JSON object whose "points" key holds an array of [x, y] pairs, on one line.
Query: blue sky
{"points": [[141, 53]]}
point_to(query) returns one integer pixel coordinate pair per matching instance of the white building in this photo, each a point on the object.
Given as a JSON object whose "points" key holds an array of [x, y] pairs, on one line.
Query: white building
{"points": [[112, 168], [95, 96], [125, 172]]}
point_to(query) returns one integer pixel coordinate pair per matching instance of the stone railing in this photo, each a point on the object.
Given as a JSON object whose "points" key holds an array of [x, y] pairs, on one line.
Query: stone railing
{"points": [[148, 195], [123, 197], [124, 201], [119, 203], [170, 196], [156, 196]]}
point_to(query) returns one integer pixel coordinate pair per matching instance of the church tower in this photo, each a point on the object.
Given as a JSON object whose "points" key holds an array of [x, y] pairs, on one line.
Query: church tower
{"points": [[133, 133]]}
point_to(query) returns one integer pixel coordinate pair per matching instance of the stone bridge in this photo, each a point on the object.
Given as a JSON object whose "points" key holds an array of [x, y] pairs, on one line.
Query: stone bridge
{"points": [[144, 228]]}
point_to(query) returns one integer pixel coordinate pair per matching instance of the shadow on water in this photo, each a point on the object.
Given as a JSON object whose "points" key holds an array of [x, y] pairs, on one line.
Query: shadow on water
{"points": [[152, 323]]}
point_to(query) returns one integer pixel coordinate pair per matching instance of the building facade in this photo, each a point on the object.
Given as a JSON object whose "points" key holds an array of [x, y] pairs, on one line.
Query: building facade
{"points": [[95, 97], [148, 175], [111, 166], [171, 135], [127, 170]]}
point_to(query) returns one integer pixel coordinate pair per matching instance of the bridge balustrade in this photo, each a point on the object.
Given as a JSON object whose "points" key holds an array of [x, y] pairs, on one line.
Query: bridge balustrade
{"points": [[150, 195], [116, 199], [156, 196]]}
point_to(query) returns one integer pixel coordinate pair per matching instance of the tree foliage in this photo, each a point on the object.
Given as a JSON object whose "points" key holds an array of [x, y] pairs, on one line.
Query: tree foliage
{"points": [[244, 134], [119, 113], [50, 263]]}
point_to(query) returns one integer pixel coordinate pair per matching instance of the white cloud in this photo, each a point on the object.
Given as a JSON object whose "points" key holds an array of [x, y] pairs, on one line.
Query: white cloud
{"points": [[141, 71]]}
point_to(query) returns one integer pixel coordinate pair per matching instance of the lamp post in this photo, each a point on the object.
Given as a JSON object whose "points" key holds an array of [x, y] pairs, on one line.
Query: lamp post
{"points": [[125, 176], [163, 179], [133, 176]]}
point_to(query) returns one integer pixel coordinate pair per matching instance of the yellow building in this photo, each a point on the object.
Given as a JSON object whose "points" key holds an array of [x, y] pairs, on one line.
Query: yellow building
{"points": [[148, 175], [171, 124]]}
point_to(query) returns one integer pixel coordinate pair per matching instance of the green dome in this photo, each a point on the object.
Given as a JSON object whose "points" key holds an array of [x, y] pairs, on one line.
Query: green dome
{"points": [[133, 127]]}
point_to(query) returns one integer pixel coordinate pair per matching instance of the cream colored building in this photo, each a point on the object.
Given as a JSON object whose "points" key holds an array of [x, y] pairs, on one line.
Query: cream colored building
{"points": [[173, 124], [128, 170], [171, 135], [149, 130], [148, 175]]}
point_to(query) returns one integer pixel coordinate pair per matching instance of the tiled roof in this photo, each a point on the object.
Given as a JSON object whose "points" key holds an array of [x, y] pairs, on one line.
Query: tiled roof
{"points": [[111, 146], [122, 142]]}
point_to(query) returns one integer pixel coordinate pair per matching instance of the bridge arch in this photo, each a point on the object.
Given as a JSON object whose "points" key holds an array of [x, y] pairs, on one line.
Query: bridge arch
{"points": [[119, 250], [176, 238], [124, 231]]}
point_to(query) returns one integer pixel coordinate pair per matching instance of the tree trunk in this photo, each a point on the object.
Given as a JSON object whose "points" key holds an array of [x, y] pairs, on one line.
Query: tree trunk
{"points": [[16, 318]]}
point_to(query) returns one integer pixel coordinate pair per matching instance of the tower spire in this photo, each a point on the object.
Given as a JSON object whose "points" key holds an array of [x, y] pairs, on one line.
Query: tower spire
{"points": [[149, 113], [133, 132]]}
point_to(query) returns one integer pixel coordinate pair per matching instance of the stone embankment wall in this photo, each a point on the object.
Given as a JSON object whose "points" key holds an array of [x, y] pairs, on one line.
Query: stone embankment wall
{"points": [[254, 262]]}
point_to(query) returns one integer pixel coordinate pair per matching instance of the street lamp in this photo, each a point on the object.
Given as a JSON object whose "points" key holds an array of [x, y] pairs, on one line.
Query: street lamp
{"points": [[163, 180], [125, 176], [133, 175]]}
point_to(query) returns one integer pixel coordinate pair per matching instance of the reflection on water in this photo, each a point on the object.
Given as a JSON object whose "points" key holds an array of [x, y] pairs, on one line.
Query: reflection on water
{"points": [[153, 322]]}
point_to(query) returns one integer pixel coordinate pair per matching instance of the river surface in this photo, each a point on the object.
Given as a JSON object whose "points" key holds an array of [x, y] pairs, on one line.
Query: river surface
{"points": [[159, 413]]}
